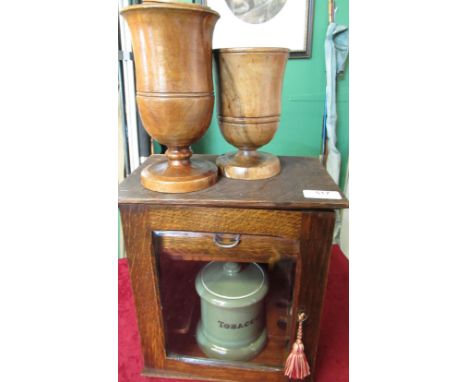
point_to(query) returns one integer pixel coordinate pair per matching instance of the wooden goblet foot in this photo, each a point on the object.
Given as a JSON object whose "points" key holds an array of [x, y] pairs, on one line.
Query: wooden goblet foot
{"points": [[194, 175], [249, 165]]}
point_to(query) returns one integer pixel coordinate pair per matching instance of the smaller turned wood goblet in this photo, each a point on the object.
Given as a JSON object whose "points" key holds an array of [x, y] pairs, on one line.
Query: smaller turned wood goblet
{"points": [[173, 62], [249, 82]]}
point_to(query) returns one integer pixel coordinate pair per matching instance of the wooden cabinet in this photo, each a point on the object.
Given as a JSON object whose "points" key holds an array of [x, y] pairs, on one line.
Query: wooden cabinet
{"points": [[169, 237]]}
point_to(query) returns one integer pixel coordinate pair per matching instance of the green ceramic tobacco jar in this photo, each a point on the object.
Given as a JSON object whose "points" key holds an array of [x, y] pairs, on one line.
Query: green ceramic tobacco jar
{"points": [[232, 324]]}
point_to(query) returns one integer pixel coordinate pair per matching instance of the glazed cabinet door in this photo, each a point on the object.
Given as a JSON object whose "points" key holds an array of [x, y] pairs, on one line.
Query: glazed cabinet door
{"points": [[193, 325], [246, 322]]}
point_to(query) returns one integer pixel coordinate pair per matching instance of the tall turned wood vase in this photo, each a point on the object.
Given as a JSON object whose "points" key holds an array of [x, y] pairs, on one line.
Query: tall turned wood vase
{"points": [[250, 82], [172, 46]]}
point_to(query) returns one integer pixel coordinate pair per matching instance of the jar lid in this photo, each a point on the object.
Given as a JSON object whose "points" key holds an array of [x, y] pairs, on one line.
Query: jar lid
{"points": [[232, 284]]}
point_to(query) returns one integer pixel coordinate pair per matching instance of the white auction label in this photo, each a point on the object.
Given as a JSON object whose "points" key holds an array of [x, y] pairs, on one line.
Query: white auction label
{"points": [[320, 194]]}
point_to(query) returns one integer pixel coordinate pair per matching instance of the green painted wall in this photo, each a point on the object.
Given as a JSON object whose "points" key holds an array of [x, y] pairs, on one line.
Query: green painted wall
{"points": [[300, 131]]}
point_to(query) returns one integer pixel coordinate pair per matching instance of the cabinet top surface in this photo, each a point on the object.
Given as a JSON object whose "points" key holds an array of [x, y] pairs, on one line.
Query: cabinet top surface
{"points": [[284, 191]]}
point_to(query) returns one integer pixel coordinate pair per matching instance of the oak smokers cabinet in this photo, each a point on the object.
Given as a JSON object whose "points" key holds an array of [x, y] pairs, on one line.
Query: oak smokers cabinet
{"points": [[169, 238]]}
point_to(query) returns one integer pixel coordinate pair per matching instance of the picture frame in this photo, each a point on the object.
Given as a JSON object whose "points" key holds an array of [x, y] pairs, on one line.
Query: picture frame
{"points": [[264, 23]]}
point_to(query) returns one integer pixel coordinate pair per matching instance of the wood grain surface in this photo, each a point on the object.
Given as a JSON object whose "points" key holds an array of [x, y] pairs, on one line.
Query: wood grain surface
{"points": [[250, 82], [201, 247], [173, 70], [312, 274], [143, 275], [275, 223], [283, 191]]}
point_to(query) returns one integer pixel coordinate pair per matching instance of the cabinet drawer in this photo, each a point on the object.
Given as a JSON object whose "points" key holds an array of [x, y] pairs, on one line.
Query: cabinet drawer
{"points": [[216, 246], [276, 223]]}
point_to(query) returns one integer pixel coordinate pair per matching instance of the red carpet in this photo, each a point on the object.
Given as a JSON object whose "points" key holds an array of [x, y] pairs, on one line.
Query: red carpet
{"points": [[332, 361]]}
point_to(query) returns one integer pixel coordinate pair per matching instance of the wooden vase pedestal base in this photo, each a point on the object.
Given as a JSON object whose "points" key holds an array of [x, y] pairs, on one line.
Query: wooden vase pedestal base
{"points": [[188, 177], [251, 165]]}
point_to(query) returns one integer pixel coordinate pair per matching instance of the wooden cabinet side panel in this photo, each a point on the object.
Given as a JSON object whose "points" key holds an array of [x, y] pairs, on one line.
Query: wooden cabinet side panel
{"points": [[142, 267], [316, 241]]}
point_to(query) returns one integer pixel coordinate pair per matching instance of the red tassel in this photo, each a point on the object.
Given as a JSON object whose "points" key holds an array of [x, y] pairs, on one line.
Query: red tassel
{"points": [[296, 366]]}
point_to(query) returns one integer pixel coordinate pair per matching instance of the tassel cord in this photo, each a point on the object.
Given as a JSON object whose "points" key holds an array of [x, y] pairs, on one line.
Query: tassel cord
{"points": [[296, 366]]}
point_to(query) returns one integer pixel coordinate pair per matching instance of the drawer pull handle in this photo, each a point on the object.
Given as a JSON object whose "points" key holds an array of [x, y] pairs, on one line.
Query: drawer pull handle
{"points": [[226, 241]]}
